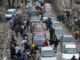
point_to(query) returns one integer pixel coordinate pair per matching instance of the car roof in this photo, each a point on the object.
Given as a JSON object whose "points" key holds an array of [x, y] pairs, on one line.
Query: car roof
{"points": [[47, 48], [68, 38], [59, 28], [73, 45], [56, 22], [11, 9], [38, 25]]}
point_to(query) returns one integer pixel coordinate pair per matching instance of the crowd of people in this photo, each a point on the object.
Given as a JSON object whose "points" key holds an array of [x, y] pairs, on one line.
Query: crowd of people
{"points": [[18, 25]]}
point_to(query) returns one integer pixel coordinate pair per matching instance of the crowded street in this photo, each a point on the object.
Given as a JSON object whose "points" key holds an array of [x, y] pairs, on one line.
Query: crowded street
{"points": [[39, 30]]}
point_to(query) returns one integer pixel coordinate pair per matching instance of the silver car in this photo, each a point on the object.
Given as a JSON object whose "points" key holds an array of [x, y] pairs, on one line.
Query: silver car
{"points": [[47, 53], [69, 50]]}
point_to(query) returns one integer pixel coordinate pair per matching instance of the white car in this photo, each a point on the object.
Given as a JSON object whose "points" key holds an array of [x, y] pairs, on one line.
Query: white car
{"points": [[59, 31], [10, 13], [67, 38], [68, 51], [47, 53]]}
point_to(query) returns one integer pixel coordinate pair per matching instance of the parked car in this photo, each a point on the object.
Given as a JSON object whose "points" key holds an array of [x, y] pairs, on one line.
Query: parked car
{"points": [[59, 31], [68, 51], [10, 13], [47, 53]]}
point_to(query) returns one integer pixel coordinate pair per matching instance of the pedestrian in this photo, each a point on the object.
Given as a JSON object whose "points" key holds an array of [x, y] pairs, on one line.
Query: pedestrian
{"points": [[24, 23], [49, 22], [56, 42], [19, 55], [18, 52], [13, 41], [24, 57], [17, 30], [28, 23], [33, 54], [51, 41], [25, 45], [12, 51], [52, 32], [46, 43], [73, 58], [22, 30]]}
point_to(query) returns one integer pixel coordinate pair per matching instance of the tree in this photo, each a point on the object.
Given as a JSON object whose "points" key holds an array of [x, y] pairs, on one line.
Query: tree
{"points": [[13, 1], [9, 3]]}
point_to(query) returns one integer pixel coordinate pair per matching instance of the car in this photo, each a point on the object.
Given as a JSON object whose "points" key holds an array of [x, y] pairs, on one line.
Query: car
{"points": [[39, 39], [39, 28], [67, 38], [47, 53], [69, 50], [59, 31], [10, 13], [55, 24]]}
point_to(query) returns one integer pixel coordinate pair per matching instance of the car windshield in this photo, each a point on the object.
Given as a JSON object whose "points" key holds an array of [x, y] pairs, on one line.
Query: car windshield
{"points": [[68, 39], [9, 12], [39, 29], [56, 24], [70, 50], [59, 31], [49, 53], [39, 37]]}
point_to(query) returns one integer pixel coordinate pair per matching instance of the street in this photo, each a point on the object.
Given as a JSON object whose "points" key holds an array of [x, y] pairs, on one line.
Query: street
{"points": [[25, 26]]}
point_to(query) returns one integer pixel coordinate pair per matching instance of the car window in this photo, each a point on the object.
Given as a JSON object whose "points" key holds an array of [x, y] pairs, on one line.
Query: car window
{"points": [[59, 31], [70, 50], [56, 24], [68, 39], [38, 30], [48, 53], [39, 37], [8, 12]]}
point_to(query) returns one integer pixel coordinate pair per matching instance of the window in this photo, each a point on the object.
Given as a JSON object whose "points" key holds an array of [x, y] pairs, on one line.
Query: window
{"points": [[49, 53], [38, 29], [9, 12], [70, 50]]}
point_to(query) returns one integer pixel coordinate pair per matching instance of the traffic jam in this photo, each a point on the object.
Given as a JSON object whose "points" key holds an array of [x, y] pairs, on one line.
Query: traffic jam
{"points": [[42, 35]]}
